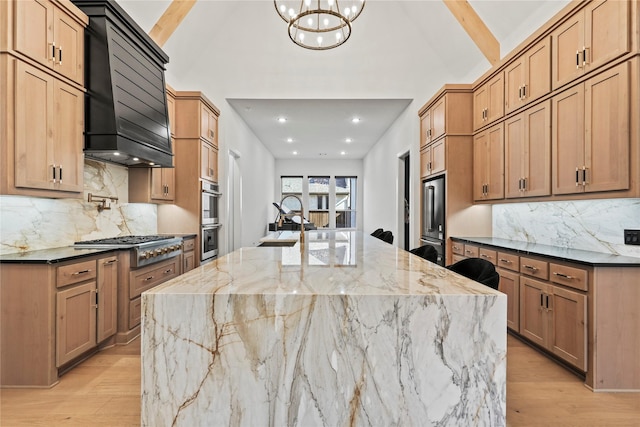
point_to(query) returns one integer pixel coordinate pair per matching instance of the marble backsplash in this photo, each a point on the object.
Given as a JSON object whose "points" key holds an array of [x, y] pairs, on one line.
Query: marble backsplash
{"points": [[591, 225], [32, 223]]}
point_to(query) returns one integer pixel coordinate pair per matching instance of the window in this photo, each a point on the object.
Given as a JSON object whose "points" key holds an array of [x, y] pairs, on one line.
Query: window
{"points": [[292, 185], [346, 196], [319, 201]]}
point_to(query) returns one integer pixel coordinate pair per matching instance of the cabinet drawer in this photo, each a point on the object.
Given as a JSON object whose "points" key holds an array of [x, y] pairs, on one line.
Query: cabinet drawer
{"points": [[488, 254], [509, 261], [153, 275], [75, 273], [188, 245], [569, 276], [471, 251], [135, 312], [534, 267], [455, 258], [457, 248]]}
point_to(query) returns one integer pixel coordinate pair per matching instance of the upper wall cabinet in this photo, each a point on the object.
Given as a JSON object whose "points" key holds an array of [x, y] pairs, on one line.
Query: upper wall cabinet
{"points": [[592, 37], [196, 117], [50, 34], [488, 164], [528, 77], [488, 101], [590, 134]]}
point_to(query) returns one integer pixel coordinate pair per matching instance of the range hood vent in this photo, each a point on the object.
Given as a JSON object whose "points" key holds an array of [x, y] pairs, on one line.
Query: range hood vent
{"points": [[126, 118]]}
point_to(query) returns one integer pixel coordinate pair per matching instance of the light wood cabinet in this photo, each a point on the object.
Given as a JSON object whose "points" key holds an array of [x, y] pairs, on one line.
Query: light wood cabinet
{"points": [[527, 148], [432, 158], [488, 101], [151, 185], [46, 122], [52, 34], [595, 35], [528, 77], [75, 321], [556, 319], [107, 296], [208, 162], [510, 285], [488, 164], [171, 111], [188, 255], [590, 134], [196, 117], [208, 125], [432, 121]]}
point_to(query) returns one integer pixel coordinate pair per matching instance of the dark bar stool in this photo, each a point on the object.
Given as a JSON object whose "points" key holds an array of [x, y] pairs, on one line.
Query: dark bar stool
{"points": [[427, 252], [478, 269]]}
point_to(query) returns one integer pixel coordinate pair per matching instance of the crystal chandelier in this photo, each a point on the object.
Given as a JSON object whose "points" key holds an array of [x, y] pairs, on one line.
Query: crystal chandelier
{"points": [[319, 24]]}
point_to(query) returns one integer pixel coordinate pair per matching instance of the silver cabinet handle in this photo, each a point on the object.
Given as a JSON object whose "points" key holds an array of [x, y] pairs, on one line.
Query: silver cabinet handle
{"points": [[530, 267], [60, 55], [506, 261], [148, 278], [113, 261], [564, 276], [81, 272]]}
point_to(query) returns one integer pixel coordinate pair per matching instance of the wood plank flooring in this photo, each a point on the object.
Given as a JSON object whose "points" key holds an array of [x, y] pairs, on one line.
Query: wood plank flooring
{"points": [[105, 391]]}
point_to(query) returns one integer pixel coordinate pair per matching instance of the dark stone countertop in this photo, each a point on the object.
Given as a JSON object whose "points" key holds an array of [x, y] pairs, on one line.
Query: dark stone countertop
{"points": [[595, 259], [51, 256]]}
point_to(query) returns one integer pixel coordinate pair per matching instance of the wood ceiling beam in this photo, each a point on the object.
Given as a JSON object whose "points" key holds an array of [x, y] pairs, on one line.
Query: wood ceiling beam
{"points": [[170, 19], [476, 28]]}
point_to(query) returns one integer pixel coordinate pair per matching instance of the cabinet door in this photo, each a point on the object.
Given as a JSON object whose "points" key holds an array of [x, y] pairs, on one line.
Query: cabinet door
{"points": [[480, 161], [425, 159], [607, 130], [537, 71], [438, 156], [480, 99], [171, 112], [68, 128], [567, 42], [206, 172], [169, 180], [606, 31], [537, 159], [213, 129], [534, 321], [162, 184], [188, 261], [495, 164], [514, 77], [514, 154], [425, 123], [208, 125], [510, 285], [438, 112], [567, 140], [568, 338], [75, 322], [495, 102], [213, 161], [34, 90], [33, 26], [107, 296], [69, 38]]}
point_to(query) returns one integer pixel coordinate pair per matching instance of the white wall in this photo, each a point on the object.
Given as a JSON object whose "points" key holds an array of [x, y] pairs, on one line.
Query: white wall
{"points": [[257, 169], [382, 186], [306, 168]]}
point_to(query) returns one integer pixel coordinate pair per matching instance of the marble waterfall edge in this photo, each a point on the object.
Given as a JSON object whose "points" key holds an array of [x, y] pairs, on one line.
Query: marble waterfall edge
{"points": [[323, 360]]}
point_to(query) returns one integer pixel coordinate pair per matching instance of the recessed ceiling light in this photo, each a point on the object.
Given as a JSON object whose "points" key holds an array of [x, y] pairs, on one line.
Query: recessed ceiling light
{"points": [[289, 139], [135, 159], [343, 153], [356, 120], [282, 119], [295, 153], [348, 140], [151, 164], [116, 153]]}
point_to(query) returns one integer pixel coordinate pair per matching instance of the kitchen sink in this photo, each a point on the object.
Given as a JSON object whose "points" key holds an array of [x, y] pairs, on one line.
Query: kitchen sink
{"points": [[275, 243]]}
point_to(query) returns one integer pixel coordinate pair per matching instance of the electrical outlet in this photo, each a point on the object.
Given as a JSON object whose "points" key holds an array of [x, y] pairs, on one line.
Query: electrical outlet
{"points": [[632, 237]]}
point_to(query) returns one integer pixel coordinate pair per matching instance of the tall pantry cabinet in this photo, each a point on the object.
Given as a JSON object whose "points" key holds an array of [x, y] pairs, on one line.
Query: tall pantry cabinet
{"points": [[42, 104]]}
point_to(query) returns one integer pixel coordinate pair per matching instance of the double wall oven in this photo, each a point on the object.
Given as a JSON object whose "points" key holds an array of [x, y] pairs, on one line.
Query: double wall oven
{"points": [[209, 222]]}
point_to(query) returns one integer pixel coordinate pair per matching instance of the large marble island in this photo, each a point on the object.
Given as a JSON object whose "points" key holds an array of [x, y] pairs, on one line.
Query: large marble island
{"points": [[341, 330]]}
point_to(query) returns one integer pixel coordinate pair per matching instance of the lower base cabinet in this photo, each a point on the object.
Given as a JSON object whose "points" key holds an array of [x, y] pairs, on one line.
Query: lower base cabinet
{"points": [[510, 285], [555, 318]]}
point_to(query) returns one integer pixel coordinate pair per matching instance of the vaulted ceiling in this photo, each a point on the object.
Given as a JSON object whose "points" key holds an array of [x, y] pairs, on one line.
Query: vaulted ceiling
{"points": [[400, 52]]}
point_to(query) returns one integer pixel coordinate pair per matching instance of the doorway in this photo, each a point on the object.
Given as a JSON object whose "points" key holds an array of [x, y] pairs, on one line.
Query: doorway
{"points": [[234, 203], [404, 199]]}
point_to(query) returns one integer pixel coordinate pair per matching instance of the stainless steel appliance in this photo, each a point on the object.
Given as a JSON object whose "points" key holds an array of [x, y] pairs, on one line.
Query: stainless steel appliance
{"points": [[433, 215], [210, 196], [209, 242], [145, 250]]}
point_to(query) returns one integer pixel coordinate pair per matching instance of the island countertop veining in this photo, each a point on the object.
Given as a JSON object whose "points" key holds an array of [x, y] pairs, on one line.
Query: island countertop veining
{"points": [[343, 329]]}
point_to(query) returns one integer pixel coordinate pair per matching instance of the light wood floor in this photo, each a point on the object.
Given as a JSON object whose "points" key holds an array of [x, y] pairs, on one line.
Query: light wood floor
{"points": [[105, 391]]}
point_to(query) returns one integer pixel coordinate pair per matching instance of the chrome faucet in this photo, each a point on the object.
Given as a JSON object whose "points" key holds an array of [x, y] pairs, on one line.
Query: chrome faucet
{"points": [[282, 216]]}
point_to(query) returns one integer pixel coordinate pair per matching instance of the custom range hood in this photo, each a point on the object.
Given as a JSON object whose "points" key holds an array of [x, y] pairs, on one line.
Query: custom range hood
{"points": [[126, 119]]}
